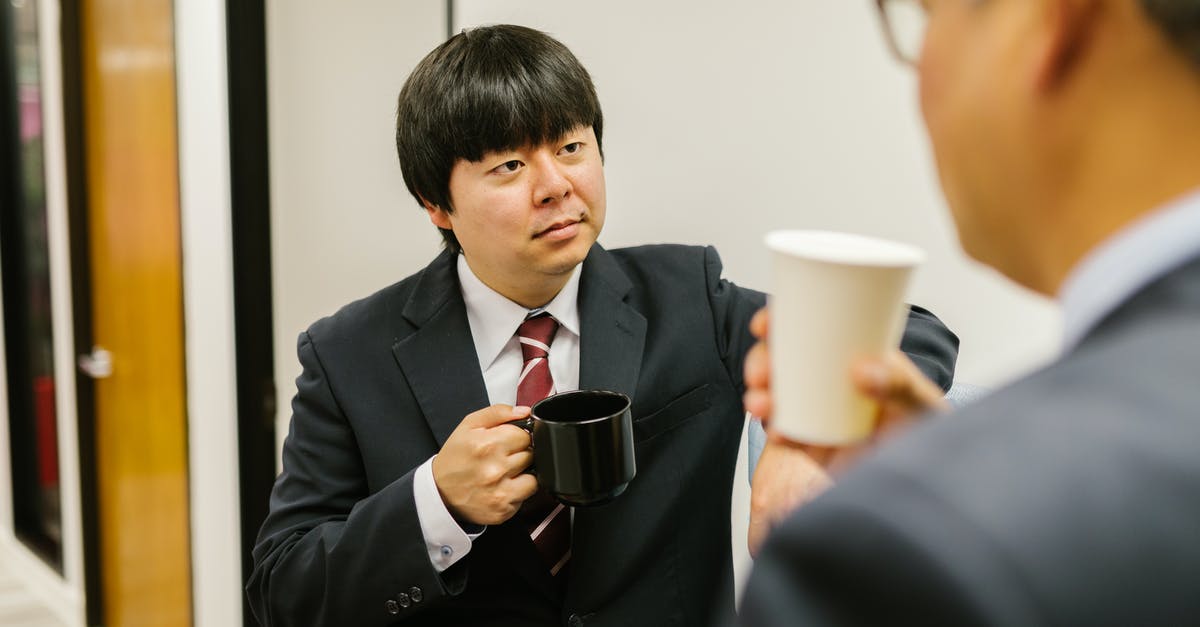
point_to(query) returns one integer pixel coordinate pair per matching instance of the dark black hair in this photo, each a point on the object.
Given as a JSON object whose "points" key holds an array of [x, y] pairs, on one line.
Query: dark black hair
{"points": [[487, 89], [1179, 20]]}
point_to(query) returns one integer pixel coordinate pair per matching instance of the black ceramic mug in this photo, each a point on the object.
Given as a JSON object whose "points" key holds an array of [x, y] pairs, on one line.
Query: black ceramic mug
{"points": [[583, 446]]}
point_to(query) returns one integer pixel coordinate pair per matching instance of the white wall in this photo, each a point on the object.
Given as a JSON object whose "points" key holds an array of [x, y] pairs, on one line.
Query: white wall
{"points": [[207, 243], [342, 222], [726, 119], [723, 120]]}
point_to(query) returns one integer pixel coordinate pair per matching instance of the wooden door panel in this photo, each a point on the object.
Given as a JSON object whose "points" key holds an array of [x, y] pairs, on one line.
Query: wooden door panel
{"points": [[133, 191]]}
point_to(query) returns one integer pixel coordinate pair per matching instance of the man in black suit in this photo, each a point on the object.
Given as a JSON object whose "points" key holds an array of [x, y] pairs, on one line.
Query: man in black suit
{"points": [[402, 498], [1067, 135]]}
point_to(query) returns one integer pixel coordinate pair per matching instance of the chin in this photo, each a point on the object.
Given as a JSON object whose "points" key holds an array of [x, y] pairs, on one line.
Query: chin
{"points": [[570, 257]]}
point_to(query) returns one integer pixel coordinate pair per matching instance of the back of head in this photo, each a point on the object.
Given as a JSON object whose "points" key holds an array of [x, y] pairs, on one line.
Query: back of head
{"points": [[487, 89], [1058, 123]]}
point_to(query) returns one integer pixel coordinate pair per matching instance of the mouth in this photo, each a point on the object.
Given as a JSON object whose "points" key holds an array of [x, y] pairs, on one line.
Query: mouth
{"points": [[563, 229]]}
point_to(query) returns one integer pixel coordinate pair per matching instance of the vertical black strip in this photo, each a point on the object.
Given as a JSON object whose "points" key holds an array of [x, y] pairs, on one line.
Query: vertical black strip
{"points": [[449, 19], [16, 325], [81, 296], [25, 292], [253, 328]]}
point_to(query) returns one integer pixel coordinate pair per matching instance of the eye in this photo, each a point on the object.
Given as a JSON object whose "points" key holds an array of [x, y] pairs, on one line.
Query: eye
{"points": [[571, 148], [508, 167]]}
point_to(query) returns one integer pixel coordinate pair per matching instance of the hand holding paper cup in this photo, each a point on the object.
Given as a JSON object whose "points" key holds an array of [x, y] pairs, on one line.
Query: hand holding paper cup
{"points": [[834, 297]]}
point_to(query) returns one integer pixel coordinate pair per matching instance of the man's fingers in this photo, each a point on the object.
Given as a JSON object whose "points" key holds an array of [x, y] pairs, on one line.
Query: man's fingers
{"points": [[519, 462], [756, 372], [760, 324], [894, 380], [521, 487], [758, 366], [757, 375], [511, 438], [758, 403], [495, 415]]}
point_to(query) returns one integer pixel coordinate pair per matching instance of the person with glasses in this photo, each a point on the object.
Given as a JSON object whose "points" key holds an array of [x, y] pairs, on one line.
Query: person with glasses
{"points": [[1067, 138]]}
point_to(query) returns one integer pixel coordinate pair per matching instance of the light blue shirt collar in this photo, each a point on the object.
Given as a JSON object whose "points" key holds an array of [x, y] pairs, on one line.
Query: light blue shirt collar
{"points": [[1114, 271]]}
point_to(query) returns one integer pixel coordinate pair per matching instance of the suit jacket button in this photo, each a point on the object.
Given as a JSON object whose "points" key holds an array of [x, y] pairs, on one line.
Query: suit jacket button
{"points": [[404, 600], [574, 621], [392, 607], [416, 594]]}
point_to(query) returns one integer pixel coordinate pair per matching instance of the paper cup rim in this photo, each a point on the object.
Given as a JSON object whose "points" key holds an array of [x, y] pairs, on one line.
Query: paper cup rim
{"points": [[844, 248]]}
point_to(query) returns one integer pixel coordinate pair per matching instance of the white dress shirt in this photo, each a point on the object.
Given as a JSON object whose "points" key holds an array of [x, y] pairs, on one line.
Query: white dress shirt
{"points": [[494, 320], [1115, 270]]}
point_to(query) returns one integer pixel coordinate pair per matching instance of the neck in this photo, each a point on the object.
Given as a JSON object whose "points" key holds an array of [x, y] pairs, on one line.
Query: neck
{"points": [[529, 291], [1134, 155]]}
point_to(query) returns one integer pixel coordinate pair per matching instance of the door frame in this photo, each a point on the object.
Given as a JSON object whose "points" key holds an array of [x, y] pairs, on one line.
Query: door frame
{"points": [[224, 204], [253, 310], [221, 79]]}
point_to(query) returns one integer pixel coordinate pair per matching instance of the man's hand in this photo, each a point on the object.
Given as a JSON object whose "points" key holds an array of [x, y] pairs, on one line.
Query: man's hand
{"points": [[757, 371], [480, 470], [892, 380], [791, 473], [784, 479]]}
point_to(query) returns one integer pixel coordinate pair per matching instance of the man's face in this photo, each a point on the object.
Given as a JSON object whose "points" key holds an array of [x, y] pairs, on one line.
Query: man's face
{"points": [[973, 100], [528, 216]]}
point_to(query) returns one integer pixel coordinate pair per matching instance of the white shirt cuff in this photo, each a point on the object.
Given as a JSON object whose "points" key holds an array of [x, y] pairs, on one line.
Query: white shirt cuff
{"points": [[444, 538]]}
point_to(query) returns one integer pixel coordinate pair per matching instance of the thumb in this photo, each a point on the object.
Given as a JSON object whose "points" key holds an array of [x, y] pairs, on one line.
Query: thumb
{"points": [[495, 416]]}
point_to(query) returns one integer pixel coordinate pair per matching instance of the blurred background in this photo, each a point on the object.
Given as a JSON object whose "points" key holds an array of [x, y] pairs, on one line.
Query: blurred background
{"points": [[187, 185]]}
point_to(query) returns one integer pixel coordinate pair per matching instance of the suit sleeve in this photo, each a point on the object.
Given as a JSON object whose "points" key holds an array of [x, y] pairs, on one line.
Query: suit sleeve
{"points": [[329, 552], [845, 562], [732, 307], [931, 346]]}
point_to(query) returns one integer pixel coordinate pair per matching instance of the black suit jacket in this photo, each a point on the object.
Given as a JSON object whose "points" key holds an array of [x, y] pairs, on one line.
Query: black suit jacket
{"points": [[1069, 498], [386, 380]]}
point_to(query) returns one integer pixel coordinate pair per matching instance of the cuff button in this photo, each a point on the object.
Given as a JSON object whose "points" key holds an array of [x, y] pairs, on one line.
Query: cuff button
{"points": [[393, 608], [415, 594]]}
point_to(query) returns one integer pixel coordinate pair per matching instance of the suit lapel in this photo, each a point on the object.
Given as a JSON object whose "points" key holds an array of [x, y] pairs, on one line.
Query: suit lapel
{"points": [[612, 333], [439, 358], [612, 338]]}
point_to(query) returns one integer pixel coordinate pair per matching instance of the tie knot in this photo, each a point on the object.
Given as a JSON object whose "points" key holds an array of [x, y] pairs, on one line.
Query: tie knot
{"points": [[535, 335]]}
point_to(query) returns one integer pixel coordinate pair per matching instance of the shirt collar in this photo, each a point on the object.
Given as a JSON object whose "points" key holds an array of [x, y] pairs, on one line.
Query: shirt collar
{"points": [[1115, 270], [494, 318]]}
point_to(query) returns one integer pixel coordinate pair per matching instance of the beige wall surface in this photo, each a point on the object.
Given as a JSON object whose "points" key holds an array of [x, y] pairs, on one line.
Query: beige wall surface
{"points": [[343, 224], [723, 120], [726, 119]]}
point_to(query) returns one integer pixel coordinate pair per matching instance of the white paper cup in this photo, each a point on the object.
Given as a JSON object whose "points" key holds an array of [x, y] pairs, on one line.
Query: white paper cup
{"points": [[834, 297]]}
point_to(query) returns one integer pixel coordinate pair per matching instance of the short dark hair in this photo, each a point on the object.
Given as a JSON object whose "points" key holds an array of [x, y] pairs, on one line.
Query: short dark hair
{"points": [[487, 89], [1179, 20]]}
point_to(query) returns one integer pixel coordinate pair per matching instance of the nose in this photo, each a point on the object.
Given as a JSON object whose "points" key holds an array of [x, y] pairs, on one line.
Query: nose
{"points": [[551, 184]]}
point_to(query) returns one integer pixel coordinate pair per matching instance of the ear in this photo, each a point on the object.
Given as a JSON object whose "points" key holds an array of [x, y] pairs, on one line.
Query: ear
{"points": [[438, 216], [1066, 32]]}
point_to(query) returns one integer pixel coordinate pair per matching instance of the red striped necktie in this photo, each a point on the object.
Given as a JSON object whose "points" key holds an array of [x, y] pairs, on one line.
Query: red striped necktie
{"points": [[547, 520]]}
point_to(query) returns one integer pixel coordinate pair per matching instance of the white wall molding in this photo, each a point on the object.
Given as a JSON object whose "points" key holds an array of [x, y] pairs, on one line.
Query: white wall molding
{"points": [[201, 79]]}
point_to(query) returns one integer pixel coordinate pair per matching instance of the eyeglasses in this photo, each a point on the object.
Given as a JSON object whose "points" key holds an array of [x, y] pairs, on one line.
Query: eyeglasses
{"points": [[904, 27]]}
